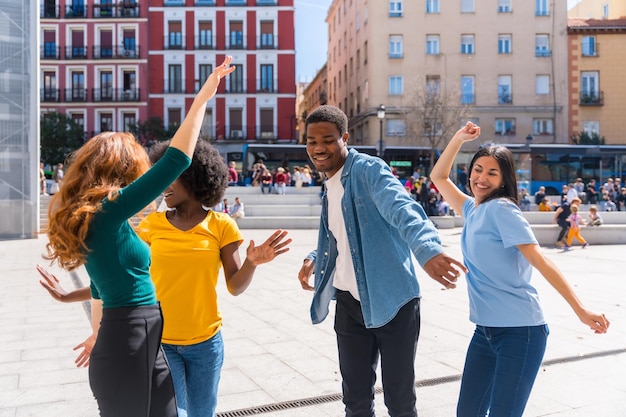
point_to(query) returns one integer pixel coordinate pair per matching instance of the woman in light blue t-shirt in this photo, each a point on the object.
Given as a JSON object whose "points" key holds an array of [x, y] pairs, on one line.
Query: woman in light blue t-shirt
{"points": [[500, 250]]}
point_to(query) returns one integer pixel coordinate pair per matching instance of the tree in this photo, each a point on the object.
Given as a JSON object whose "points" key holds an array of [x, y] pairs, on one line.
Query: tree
{"points": [[60, 136], [586, 138], [434, 112], [152, 130]]}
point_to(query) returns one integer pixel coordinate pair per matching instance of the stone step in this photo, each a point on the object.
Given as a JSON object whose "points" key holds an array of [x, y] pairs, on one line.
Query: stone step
{"points": [[282, 210], [546, 217], [607, 234], [245, 191], [279, 222], [276, 200]]}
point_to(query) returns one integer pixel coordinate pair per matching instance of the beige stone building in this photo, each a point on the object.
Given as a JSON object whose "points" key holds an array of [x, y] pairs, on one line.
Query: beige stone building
{"points": [[599, 9], [313, 94], [506, 60], [597, 89]]}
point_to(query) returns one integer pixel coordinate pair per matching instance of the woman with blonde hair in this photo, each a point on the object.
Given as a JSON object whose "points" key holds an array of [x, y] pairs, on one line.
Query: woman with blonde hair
{"points": [[108, 181]]}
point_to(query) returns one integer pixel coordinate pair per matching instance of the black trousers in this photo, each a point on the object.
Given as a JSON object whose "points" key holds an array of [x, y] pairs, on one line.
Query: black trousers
{"points": [[128, 373], [359, 350], [563, 232]]}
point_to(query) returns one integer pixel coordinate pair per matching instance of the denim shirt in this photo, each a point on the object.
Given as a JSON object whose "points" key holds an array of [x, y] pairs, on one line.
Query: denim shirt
{"points": [[384, 225]]}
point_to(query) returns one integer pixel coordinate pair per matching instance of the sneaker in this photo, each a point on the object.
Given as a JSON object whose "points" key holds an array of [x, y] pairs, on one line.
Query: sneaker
{"points": [[565, 247], [585, 245]]}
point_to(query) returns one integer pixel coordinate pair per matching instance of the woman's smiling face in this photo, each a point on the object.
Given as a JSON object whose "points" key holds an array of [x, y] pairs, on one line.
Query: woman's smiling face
{"points": [[485, 177]]}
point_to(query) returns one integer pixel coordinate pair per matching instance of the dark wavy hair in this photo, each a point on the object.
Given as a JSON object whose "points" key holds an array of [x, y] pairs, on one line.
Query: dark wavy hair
{"points": [[207, 176], [505, 160], [329, 114]]}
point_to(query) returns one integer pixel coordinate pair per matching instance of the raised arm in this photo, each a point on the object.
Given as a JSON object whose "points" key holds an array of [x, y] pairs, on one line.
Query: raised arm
{"points": [[440, 174], [186, 136]]}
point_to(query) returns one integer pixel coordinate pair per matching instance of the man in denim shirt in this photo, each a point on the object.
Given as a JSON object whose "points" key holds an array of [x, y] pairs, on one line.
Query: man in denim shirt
{"points": [[368, 229]]}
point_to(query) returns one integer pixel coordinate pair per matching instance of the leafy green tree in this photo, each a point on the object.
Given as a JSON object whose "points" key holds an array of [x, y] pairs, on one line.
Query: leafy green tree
{"points": [[152, 130], [60, 136], [586, 138]]}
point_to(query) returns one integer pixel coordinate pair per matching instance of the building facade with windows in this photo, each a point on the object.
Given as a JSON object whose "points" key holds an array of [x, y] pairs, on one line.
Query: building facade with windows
{"points": [[254, 103], [597, 56], [505, 59], [19, 121], [94, 62], [595, 9]]}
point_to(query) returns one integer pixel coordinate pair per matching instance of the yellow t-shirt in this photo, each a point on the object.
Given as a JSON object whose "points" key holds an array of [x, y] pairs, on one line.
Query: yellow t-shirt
{"points": [[185, 268]]}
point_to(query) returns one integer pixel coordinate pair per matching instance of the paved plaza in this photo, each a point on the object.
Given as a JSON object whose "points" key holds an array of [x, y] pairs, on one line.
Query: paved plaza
{"points": [[279, 365]]}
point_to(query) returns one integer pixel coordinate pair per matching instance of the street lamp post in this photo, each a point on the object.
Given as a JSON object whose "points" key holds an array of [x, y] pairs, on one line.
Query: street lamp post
{"points": [[380, 113], [529, 140]]}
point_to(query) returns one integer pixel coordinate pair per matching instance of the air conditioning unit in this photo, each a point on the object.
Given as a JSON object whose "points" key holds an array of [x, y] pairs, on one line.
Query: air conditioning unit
{"points": [[236, 134], [267, 135]]}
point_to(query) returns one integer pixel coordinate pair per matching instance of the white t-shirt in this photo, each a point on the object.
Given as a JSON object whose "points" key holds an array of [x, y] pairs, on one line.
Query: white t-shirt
{"points": [[344, 278]]}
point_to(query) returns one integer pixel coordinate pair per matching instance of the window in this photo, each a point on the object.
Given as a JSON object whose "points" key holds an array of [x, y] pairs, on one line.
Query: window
{"points": [[236, 35], [542, 45], [50, 92], [130, 83], [504, 44], [49, 44], [432, 45], [505, 95], [205, 35], [129, 43], [106, 86], [504, 6], [266, 117], [78, 45], [204, 70], [395, 127], [235, 80], [543, 127], [589, 46], [467, 44], [542, 8], [432, 6], [267, 78], [175, 81], [78, 87], [173, 117], [106, 44], [467, 6], [589, 87], [467, 89], [175, 35], [395, 46], [235, 116], [433, 87], [130, 121], [542, 84], [395, 8], [505, 127], [267, 34], [591, 126], [106, 122], [396, 86], [605, 11]]}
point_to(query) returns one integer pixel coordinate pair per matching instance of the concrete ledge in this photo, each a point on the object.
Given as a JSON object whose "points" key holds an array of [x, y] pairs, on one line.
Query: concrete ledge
{"points": [[444, 222], [545, 217], [279, 211], [284, 222], [607, 234]]}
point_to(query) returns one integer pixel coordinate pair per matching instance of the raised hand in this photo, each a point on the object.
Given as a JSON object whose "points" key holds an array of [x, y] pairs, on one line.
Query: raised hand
{"points": [[270, 249], [468, 132]]}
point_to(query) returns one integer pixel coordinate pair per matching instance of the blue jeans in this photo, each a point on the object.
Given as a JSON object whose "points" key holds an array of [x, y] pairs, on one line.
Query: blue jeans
{"points": [[500, 370], [196, 374]]}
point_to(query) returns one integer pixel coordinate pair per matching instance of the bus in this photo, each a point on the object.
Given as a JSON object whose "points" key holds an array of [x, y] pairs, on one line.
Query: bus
{"points": [[554, 165]]}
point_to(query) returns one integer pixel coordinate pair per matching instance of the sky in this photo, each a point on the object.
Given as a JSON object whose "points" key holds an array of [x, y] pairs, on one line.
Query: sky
{"points": [[311, 37]]}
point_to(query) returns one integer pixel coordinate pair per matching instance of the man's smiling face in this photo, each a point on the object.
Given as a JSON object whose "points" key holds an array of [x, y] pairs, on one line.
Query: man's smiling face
{"points": [[326, 146]]}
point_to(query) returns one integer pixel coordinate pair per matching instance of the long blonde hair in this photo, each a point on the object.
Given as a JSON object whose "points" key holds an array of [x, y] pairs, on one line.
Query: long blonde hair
{"points": [[106, 163]]}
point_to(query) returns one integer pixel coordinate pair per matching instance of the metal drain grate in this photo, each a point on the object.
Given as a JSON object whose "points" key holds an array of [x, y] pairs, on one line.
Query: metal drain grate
{"points": [[289, 405]]}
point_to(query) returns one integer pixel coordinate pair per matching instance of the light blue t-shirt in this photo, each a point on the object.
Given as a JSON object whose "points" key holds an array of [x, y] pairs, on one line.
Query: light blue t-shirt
{"points": [[498, 280]]}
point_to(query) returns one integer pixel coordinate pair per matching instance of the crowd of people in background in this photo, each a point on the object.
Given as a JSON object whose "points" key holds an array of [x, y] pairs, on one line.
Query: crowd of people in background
{"points": [[276, 180]]}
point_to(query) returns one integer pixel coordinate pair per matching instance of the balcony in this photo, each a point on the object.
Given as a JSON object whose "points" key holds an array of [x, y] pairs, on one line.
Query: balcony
{"points": [[468, 98], [50, 51], [396, 55], [592, 98], [174, 86], [50, 95], [174, 3], [75, 52], [267, 41], [542, 53], [124, 9], [175, 41], [115, 95], [266, 3], [76, 12], [75, 95], [204, 42], [204, 3], [49, 11], [236, 3], [590, 49], [235, 87], [115, 52]]}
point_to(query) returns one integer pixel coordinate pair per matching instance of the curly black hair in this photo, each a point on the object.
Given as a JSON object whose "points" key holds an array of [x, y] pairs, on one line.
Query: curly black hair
{"points": [[207, 176], [331, 114]]}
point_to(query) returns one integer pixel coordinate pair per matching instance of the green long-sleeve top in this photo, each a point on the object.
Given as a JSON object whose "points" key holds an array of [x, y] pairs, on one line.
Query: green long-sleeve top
{"points": [[118, 261]]}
